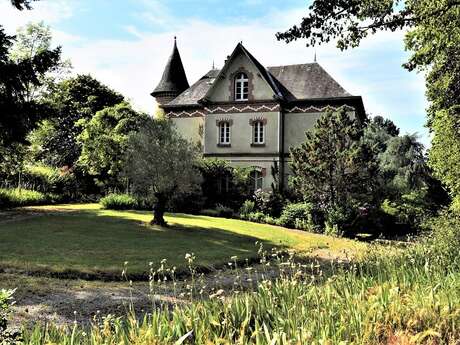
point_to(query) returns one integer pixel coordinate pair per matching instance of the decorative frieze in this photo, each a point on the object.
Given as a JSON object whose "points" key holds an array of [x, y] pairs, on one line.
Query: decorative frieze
{"points": [[253, 108], [224, 109], [315, 109]]}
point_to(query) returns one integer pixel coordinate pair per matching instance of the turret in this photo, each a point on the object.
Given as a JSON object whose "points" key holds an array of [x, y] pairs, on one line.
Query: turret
{"points": [[174, 81]]}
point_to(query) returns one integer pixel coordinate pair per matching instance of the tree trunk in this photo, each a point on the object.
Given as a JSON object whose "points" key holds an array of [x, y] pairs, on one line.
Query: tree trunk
{"points": [[159, 211]]}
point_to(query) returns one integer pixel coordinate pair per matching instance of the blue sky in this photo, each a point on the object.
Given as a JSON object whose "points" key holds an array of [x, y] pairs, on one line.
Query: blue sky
{"points": [[125, 44]]}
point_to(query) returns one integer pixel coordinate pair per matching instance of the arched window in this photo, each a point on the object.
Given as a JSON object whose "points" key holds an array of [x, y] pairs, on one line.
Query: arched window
{"points": [[224, 133], [258, 132], [256, 180], [241, 87]]}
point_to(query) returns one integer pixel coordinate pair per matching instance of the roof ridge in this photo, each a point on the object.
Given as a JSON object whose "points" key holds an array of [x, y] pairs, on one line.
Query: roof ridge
{"points": [[296, 64]]}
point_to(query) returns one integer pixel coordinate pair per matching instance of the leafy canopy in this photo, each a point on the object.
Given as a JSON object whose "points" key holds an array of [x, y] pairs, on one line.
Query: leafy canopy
{"points": [[161, 164], [70, 101], [104, 141]]}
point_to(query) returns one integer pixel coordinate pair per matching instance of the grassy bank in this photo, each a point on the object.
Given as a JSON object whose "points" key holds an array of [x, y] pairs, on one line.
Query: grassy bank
{"points": [[87, 241]]}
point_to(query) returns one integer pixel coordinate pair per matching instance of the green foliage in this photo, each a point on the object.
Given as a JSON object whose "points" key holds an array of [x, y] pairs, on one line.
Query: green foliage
{"points": [[248, 206], [47, 179], [456, 205], [23, 197], [161, 164], [20, 110], [411, 209], [445, 150], [223, 184], [269, 202], [257, 217], [224, 211], [6, 301], [70, 101], [218, 211], [434, 40], [303, 216], [333, 168], [119, 202], [104, 140]]}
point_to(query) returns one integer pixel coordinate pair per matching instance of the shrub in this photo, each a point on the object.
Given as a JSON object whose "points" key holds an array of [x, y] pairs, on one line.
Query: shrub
{"points": [[303, 216], [209, 212], [24, 197], [47, 179], [219, 211], [257, 217], [224, 211], [119, 202], [411, 209], [268, 202], [270, 220], [248, 206]]}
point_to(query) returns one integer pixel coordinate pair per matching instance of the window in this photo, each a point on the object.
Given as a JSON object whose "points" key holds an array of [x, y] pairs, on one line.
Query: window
{"points": [[256, 180], [258, 135], [241, 87], [224, 133]]}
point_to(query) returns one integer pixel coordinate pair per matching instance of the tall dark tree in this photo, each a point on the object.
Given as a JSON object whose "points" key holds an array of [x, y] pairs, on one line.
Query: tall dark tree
{"points": [[333, 169], [19, 113]]}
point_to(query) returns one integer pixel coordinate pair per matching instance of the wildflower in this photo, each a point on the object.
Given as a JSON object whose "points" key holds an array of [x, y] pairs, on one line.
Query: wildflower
{"points": [[217, 294]]}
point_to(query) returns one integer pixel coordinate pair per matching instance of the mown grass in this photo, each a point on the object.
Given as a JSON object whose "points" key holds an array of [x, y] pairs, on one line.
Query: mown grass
{"points": [[87, 240]]}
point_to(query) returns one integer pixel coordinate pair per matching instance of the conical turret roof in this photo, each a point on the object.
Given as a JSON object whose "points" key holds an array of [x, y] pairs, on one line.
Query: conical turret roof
{"points": [[174, 79]]}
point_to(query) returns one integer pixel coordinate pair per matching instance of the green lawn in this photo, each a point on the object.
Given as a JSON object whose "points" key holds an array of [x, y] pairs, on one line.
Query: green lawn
{"points": [[88, 239]]}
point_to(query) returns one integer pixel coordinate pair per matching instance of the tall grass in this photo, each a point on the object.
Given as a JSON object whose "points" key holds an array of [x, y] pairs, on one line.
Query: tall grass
{"points": [[390, 296]]}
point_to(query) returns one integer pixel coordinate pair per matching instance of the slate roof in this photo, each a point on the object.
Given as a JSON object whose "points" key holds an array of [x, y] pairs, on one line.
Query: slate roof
{"points": [[197, 91], [290, 83], [307, 81], [174, 79]]}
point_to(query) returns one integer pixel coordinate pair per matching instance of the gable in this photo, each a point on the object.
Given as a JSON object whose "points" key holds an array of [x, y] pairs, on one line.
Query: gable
{"points": [[222, 89]]}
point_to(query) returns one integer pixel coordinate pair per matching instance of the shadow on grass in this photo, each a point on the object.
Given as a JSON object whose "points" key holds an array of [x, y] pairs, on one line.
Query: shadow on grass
{"points": [[212, 245]]}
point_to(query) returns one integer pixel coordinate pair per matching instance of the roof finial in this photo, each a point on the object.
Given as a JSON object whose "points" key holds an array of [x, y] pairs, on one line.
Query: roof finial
{"points": [[213, 66], [175, 39], [314, 59]]}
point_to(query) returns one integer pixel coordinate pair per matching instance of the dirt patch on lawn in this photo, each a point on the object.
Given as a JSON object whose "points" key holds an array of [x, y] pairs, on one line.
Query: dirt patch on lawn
{"points": [[63, 301]]}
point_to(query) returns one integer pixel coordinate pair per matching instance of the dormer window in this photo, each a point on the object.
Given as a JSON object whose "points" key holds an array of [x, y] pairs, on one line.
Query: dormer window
{"points": [[241, 87], [224, 133]]}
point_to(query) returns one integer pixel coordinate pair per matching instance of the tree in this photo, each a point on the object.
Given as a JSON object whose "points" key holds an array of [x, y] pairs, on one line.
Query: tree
{"points": [[20, 114], [350, 21], [104, 141], [403, 164], [333, 169], [161, 164], [22, 4], [70, 101], [30, 41], [434, 39], [445, 150]]}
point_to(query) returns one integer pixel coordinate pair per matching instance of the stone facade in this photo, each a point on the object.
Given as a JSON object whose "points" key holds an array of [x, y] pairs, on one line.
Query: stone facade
{"points": [[284, 107]]}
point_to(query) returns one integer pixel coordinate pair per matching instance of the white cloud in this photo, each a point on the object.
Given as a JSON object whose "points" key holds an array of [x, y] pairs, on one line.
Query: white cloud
{"points": [[51, 12]]}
